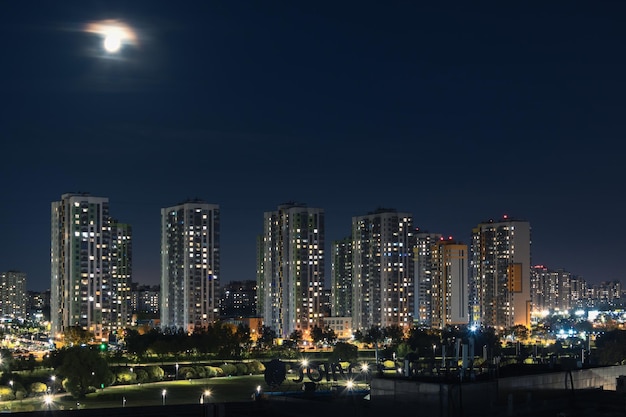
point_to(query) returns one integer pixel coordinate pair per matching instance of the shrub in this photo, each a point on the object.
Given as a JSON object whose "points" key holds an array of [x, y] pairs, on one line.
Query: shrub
{"points": [[213, 371], [187, 372], [200, 371], [38, 388], [125, 377], [142, 375], [155, 373], [242, 368], [229, 369], [256, 367], [6, 393]]}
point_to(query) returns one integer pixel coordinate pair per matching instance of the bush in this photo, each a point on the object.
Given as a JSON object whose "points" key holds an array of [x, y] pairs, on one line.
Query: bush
{"points": [[38, 388], [6, 393], [200, 371], [242, 368], [125, 377], [142, 375], [187, 372], [256, 367], [213, 371], [155, 373], [229, 369]]}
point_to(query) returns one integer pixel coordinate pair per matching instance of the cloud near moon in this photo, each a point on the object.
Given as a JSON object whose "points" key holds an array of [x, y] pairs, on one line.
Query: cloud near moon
{"points": [[115, 33]]}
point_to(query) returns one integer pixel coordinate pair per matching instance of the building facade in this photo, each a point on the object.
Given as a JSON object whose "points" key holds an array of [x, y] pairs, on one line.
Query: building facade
{"points": [[341, 278], [500, 272], [83, 290], [190, 265], [13, 297], [239, 299], [121, 272], [422, 256], [292, 268], [450, 298], [382, 288]]}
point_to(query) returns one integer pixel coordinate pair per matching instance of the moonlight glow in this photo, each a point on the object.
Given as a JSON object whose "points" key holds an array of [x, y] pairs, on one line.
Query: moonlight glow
{"points": [[115, 34]]}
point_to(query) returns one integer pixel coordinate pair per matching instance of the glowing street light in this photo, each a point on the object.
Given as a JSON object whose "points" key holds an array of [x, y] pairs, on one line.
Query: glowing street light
{"points": [[206, 394], [163, 395], [47, 400], [176, 370]]}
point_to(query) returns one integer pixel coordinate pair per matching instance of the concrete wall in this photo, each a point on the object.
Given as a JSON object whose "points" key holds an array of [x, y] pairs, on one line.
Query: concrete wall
{"points": [[604, 378]]}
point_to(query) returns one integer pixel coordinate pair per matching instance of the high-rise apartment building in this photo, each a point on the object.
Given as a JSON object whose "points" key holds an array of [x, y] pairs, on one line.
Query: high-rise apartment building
{"points": [[83, 287], [382, 287], [341, 278], [422, 256], [500, 273], [121, 272], [292, 268], [450, 298], [13, 294], [190, 265], [145, 299], [551, 289]]}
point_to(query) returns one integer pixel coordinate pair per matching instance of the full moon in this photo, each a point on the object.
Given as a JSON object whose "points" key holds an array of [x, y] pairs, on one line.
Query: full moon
{"points": [[115, 34], [112, 42]]}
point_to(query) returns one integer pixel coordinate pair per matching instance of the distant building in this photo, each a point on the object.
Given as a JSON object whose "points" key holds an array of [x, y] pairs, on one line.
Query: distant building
{"points": [[341, 277], [13, 294], [342, 326], [551, 289], [423, 269], [239, 299], [38, 306], [146, 299], [121, 272], [292, 268], [450, 299], [500, 273], [190, 265], [382, 286], [84, 287]]}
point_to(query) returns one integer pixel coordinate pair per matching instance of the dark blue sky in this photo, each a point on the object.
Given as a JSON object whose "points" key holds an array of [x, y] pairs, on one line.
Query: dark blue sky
{"points": [[456, 113]]}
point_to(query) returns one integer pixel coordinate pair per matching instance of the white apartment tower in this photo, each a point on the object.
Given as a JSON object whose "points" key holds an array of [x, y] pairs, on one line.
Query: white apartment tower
{"points": [[382, 288], [450, 298], [501, 273], [291, 271], [82, 291], [190, 265]]}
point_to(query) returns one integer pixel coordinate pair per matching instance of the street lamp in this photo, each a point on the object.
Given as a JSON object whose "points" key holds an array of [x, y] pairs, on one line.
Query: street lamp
{"points": [[207, 394], [53, 378], [47, 400], [176, 370], [163, 395]]}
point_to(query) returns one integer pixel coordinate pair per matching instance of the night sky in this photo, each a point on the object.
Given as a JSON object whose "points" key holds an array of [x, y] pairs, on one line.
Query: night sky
{"points": [[458, 114]]}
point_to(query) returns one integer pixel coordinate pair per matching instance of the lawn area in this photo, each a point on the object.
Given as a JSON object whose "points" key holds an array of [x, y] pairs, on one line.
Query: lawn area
{"points": [[223, 389]]}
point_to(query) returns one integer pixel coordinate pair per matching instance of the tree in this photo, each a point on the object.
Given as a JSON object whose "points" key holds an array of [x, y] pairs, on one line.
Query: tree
{"points": [[267, 336], [76, 336], [317, 334], [394, 333], [84, 370], [296, 336], [345, 352]]}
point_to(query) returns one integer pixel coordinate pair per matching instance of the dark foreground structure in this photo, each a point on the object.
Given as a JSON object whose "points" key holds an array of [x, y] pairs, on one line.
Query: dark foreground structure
{"points": [[554, 403]]}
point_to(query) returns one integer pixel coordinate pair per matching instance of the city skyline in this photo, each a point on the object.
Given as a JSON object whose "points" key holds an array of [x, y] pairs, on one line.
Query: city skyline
{"points": [[456, 114]]}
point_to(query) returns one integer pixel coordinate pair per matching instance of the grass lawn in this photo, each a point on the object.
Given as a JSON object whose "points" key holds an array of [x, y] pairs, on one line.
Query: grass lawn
{"points": [[223, 389]]}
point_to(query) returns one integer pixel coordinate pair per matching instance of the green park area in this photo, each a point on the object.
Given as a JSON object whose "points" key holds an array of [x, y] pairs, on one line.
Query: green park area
{"points": [[194, 391]]}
